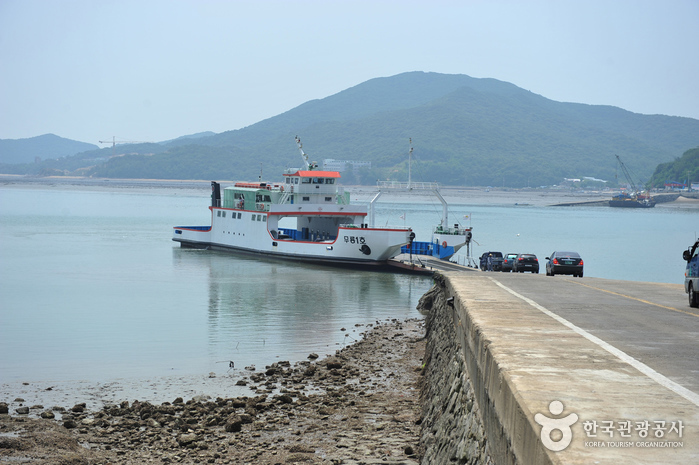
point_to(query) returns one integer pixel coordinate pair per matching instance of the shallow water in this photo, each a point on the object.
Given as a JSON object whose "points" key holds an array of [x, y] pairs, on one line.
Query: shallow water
{"points": [[93, 289]]}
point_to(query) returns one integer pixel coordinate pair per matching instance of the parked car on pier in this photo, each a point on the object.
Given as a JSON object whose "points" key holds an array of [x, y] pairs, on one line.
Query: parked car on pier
{"points": [[691, 274], [526, 262], [495, 261], [507, 262], [564, 263]]}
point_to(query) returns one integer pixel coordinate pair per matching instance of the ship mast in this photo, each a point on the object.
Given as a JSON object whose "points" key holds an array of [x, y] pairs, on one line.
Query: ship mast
{"points": [[309, 165]]}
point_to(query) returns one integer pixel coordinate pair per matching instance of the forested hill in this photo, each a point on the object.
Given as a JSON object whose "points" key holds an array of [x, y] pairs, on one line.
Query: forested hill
{"points": [[465, 131], [48, 146], [682, 170]]}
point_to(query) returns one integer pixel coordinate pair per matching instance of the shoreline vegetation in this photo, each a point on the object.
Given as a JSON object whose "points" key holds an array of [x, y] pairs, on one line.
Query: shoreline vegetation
{"points": [[360, 405]]}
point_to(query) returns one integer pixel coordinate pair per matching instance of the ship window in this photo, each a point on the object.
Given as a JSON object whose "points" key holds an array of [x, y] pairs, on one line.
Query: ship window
{"points": [[254, 217], [239, 215], [218, 213], [223, 214], [328, 199], [287, 180], [264, 217], [296, 180], [329, 181], [305, 180], [317, 180], [306, 199]]}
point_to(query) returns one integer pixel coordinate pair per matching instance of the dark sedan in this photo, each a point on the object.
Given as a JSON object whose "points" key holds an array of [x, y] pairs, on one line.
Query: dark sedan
{"points": [[508, 261], [564, 263], [526, 262]]}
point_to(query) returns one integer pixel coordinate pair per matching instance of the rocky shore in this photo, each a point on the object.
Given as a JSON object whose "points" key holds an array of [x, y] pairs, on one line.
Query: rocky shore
{"points": [[360, 406]]}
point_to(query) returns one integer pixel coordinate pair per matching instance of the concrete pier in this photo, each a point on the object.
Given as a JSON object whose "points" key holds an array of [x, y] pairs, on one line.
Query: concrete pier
{"points": [[562, 370]]}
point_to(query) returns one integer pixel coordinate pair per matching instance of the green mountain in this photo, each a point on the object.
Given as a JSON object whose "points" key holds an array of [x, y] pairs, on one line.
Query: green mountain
{"points": [[680, 170], [48, 146], [465, 131]]}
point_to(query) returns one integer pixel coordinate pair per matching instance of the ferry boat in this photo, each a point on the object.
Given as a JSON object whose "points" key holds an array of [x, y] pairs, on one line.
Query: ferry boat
{"points": [[307, 217]]}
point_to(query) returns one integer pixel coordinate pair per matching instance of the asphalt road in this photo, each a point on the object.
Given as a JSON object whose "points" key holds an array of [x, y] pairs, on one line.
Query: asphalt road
{"points": [[651, 322]]}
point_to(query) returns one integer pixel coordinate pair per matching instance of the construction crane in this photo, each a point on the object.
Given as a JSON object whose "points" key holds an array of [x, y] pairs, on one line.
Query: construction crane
{"points": [[114, 143], [627, 175]]}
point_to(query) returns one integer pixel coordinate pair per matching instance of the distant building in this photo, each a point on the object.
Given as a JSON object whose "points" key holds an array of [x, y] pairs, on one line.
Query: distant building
{"points": [[674, 185], [330, 164]]}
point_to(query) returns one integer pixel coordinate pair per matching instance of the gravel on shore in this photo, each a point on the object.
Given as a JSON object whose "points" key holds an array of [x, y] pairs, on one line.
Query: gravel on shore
{"points": [[360, 406]]}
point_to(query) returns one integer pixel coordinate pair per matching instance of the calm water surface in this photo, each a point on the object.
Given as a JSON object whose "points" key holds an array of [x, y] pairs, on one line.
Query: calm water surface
{"points": [[92, 287]]}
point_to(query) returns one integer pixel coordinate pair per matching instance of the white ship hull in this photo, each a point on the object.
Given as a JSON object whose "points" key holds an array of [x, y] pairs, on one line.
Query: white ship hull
{"points": [[252, 234]]}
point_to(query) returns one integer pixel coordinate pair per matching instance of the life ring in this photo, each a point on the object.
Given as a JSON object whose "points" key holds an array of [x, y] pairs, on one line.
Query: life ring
{"points": [[444, 244]]}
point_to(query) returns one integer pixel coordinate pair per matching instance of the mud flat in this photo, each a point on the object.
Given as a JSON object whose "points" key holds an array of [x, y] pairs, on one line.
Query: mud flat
{"points": [[361, 405]]}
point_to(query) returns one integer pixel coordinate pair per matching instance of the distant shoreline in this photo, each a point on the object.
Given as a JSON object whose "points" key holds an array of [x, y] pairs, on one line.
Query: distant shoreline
{"points": [[454, 194]]}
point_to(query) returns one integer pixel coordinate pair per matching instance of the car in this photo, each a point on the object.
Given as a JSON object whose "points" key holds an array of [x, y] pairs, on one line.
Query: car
{"points": [[691, 274], [495, 260], [564, 263], [526, 262], [507, 262]]}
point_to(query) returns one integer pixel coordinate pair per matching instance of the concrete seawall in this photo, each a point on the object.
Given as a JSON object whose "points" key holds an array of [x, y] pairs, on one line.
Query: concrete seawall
{"points": [[495, 364]]}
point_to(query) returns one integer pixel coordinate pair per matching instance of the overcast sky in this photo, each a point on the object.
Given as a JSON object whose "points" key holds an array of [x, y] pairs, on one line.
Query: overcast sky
{"points": [[156, 70]]}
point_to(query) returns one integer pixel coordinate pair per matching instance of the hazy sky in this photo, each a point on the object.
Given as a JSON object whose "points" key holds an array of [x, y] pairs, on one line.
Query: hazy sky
{"points": [[155, 70]]}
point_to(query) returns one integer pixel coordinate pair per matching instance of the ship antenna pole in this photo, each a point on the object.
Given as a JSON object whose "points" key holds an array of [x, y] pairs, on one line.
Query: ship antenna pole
{"points": [[410, 163]]}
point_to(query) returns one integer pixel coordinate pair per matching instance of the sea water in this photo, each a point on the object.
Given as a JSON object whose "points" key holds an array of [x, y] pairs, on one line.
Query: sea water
{"points": [[92, 287]]}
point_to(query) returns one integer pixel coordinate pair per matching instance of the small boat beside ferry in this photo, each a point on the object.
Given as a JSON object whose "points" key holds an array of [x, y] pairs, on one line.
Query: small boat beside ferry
{"points": [[307, 217]]}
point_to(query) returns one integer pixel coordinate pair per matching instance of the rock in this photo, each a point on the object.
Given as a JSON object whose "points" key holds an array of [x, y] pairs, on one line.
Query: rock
{"points": [[48, 414], [234, 424], [302, 448], [69, 424], [11, 443], [313, 356], [79, 408], [333, 363], [4, 408], [185, 439], [22, 410], [284, 399]]}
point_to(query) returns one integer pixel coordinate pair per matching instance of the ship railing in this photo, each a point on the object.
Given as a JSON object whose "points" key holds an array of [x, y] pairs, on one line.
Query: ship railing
{"points": [[427, 186], [451, 231], [364, 226]]}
